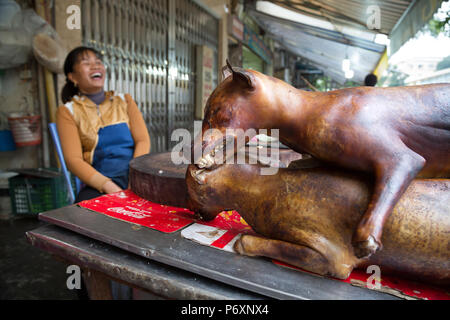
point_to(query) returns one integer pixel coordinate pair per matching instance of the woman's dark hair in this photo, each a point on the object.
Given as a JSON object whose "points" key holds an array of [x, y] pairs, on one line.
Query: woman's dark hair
{"points": [[72, 59]]}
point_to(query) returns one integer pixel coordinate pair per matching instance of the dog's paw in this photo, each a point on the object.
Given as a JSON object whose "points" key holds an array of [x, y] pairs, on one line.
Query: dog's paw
{"points": [[364, 249], [238, 247]]}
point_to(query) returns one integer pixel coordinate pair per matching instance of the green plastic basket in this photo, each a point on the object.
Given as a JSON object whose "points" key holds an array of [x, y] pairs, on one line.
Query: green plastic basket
{"points": [[32, 195]]}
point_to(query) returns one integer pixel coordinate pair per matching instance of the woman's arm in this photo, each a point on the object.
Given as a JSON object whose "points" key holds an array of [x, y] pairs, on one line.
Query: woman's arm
{"points": [[73, 154], [138, 128]]}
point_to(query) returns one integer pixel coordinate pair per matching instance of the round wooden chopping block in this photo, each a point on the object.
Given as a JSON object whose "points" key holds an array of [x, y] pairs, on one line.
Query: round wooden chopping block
{"points": [[156, 178]]}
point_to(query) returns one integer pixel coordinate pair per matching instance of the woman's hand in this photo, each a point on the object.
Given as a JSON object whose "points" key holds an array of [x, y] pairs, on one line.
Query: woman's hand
{"points": [[111, 187]]}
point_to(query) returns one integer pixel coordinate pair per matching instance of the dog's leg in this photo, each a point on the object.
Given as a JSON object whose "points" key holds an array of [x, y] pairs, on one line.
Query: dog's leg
{"points": [[297, 255], [392, 178]]}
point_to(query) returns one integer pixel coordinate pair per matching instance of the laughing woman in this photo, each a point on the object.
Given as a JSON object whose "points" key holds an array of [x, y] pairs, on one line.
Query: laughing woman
{"points": [[100, 131]]}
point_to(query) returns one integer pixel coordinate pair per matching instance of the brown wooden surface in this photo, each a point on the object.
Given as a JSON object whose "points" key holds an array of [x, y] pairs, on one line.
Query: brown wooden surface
{"points": [[98, 285]]}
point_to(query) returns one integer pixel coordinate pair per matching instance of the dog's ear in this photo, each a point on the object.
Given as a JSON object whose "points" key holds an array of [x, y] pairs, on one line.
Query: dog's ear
{"points": [[226, 72], [239, 76]]}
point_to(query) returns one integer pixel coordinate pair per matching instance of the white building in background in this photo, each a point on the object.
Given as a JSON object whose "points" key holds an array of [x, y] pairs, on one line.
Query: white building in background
{"points": [[419, 57], [418, 66], [440, 76]]}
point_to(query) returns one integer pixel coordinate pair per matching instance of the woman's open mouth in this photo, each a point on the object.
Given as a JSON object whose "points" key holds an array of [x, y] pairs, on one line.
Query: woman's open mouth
{"points": [[96, 76]]}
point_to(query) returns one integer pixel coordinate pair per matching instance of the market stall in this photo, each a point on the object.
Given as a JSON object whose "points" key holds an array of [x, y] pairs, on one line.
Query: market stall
{"points": [[165, 250]]}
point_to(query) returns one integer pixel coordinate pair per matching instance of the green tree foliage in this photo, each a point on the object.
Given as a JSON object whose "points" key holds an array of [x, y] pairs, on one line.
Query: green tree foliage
{"points": [[439, 25], [351, 83], [322, 83]]}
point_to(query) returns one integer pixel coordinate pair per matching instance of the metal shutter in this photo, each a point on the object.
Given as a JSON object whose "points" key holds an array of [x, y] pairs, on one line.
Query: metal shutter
{"points": [[149, 52]]}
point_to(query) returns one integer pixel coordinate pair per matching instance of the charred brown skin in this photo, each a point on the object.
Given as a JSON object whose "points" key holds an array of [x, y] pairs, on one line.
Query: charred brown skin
{"points": [[306, 217], [396, 134]]}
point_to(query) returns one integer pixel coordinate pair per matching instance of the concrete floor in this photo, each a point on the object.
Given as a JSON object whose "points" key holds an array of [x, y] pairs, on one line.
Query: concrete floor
{"points": [[26, 272]]}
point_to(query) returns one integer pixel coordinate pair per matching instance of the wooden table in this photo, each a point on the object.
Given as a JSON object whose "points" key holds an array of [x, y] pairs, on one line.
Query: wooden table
{"points": [[172, 267]]}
